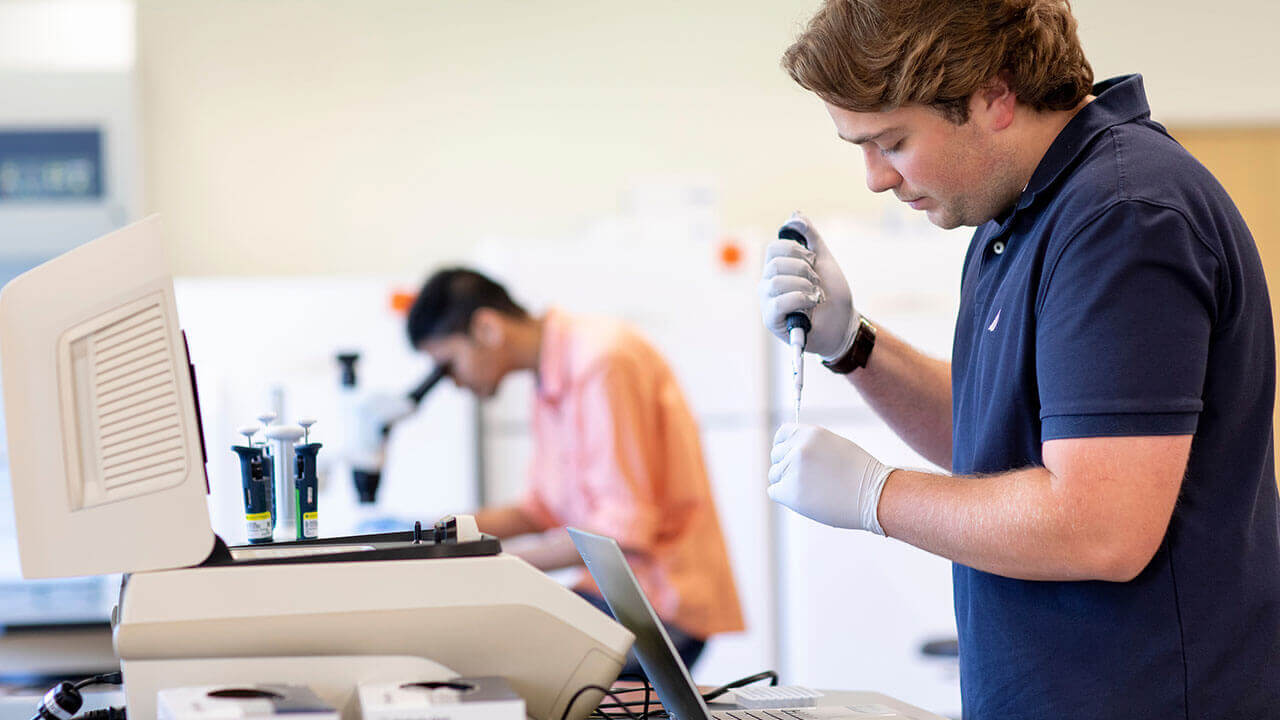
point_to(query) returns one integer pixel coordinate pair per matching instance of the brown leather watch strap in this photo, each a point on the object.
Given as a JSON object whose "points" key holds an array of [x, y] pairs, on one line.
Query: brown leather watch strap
{"points": [[864, 339]]}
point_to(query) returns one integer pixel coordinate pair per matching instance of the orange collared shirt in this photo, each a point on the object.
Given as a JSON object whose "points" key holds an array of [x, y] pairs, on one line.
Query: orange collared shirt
{"points": [[616, 452]]}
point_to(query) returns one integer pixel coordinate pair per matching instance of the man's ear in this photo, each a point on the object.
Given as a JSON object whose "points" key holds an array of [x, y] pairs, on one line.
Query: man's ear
{"points": [[488, 328], [994, 103]]}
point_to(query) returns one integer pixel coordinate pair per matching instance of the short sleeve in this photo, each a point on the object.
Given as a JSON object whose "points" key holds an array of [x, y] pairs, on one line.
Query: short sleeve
{"points": [[1123, 324]]}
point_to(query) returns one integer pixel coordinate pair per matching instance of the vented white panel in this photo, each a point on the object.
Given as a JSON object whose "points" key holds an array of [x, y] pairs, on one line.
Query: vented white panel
{"points": [[126, 407], [106, 460]]}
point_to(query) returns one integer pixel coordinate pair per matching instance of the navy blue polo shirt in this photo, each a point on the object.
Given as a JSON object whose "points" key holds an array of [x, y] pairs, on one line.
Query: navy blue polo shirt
{"points": [[1123, 295]]}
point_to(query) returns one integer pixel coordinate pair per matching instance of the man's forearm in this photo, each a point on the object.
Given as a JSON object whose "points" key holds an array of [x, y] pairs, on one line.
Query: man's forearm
{"points": [[505, 521], [1020, 524], [551, 550], [912, 393]]}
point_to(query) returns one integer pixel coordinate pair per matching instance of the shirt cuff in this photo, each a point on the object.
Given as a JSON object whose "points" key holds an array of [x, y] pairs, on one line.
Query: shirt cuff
{"points": [[1057, 427]]}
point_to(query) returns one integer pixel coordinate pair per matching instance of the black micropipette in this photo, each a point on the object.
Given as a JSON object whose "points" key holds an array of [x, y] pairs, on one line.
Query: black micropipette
{"points": [[798, 326]]}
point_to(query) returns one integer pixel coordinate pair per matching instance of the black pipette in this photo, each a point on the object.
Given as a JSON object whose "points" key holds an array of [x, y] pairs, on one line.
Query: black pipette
{"points": [[798, 326]]}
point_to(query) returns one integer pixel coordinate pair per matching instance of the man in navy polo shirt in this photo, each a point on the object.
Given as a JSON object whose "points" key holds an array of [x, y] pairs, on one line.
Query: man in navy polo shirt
{"points": [[1107, 411]]}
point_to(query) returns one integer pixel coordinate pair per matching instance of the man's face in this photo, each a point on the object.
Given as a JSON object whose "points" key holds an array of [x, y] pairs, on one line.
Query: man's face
{"points": [[957, 174], [472, 366]]}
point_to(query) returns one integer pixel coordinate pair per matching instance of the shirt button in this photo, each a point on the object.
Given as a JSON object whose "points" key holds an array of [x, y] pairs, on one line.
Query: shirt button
{"points": [[997, 247]]}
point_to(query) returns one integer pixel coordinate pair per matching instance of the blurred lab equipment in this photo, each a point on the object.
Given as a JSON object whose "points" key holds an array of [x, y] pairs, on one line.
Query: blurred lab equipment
{"points": [[282, 438], [368, 419], [195, 611], [306, 492], [257, 488], [295, 494]]}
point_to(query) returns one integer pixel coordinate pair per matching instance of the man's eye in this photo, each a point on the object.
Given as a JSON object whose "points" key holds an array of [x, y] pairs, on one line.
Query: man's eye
{"points": [[895, 147]]}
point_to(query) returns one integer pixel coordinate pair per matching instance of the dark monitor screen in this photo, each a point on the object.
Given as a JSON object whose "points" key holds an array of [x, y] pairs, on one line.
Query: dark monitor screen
{"points": [[45, 165]]}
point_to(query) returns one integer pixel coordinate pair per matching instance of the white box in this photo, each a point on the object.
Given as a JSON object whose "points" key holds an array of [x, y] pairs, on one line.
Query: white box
{"points": [[477, 698], [222, 702]]}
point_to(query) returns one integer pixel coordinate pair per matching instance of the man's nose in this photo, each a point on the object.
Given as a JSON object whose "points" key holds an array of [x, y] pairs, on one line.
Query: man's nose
{"points": [[880, 174]]}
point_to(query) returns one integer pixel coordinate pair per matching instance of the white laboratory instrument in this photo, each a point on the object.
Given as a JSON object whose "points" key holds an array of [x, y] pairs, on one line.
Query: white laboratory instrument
{"points": [[108, 475]]}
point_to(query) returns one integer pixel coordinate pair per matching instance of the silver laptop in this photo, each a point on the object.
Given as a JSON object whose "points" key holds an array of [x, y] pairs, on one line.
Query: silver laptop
{"points": [[657, 654]]}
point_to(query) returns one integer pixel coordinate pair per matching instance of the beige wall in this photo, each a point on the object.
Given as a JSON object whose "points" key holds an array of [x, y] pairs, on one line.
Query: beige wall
{"points": [[385, 135]]}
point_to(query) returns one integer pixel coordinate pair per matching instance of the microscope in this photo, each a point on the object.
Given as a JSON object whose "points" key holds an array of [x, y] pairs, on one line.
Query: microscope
{"points": [[368, 419]]}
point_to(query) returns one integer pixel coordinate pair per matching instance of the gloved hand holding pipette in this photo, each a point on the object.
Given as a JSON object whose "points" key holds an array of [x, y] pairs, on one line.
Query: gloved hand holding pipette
{"points": [[805, 298], [807, 280]]}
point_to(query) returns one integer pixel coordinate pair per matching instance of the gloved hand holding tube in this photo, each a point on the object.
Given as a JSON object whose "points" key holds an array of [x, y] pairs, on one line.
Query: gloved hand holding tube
{"points": [[826, 478]]}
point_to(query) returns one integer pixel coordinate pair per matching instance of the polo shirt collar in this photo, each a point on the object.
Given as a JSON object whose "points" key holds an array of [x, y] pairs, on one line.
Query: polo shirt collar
{"points": [[553, 356], [1117, 101]]}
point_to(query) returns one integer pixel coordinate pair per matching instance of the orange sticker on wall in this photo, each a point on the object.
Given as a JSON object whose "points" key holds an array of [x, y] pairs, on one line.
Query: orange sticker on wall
{"points": [[401, 301], [730, 253]]}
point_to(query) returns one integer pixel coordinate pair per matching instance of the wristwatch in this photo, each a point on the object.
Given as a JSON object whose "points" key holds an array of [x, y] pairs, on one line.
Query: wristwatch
{"points": [[864, 339]]}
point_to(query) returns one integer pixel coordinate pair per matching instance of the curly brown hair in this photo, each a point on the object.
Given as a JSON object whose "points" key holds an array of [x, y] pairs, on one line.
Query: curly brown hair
{"points": [[873, 55]]}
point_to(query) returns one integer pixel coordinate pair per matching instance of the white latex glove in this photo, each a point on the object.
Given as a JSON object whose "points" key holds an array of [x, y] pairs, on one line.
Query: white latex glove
{"points": [[809, 281], [826, 478]]}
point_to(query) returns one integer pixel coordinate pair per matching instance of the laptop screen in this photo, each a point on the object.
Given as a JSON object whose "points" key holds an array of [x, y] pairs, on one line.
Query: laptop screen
{"points": [[657, 655]]}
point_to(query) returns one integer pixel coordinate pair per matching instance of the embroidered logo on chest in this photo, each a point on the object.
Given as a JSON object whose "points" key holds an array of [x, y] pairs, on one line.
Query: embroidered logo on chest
{"points": [[995, 322]]}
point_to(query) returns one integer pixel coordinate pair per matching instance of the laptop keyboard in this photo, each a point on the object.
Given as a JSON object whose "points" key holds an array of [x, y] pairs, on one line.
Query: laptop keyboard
{"points": [[771, 714], [827, 712]]}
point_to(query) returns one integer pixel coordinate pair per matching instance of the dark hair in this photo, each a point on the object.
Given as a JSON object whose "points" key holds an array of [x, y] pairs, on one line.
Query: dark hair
{"points": [[876, 55], [448, 300]]}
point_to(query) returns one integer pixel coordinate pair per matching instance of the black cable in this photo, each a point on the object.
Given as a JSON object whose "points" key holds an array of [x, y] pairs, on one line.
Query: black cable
{"points": [[645, 713], [64, 699], [624, 691], [771, 675], [646, 686], [626, 705], [111, 678], [606, 691]]}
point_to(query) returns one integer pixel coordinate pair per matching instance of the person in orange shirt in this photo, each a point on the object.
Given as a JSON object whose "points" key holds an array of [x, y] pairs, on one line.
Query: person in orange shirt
{"points": [[616, 449]]}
